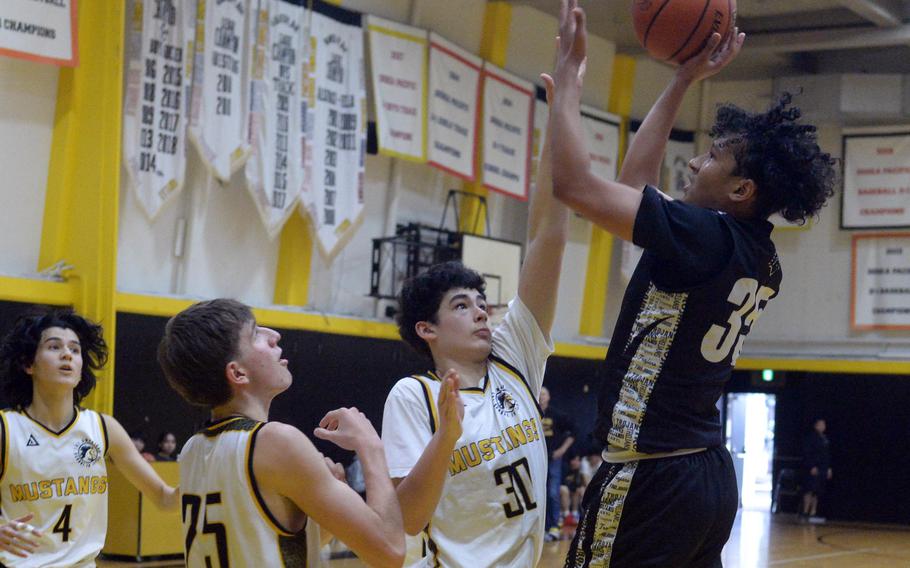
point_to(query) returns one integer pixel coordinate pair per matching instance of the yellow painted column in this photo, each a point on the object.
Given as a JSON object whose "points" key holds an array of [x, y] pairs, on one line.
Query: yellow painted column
{"points": [[600, 252], [292, 279], [295, 252], [494, 45], [83, 188]]}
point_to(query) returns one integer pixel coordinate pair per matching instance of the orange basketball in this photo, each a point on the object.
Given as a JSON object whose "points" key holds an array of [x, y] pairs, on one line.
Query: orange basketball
{"points": [[675, 30]]}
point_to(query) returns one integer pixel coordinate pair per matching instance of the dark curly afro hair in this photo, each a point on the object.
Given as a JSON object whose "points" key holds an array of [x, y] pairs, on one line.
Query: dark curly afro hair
{"points": [[21, 344], [794, 177], [421, 295]]}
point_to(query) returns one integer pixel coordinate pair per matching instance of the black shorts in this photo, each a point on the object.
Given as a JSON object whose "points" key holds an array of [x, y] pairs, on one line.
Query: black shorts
{"points": [[662, 512], [815, 484]]}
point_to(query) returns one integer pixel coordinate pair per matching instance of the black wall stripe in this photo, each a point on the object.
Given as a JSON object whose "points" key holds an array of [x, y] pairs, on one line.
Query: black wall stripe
{"points": [[337, 13]]}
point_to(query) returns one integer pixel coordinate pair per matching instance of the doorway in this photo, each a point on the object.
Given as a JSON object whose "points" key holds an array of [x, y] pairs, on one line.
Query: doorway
{"points": [[750, 439]]}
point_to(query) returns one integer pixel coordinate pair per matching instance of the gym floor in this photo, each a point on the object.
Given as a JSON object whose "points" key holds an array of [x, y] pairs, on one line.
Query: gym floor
{"points": [[759, 539]]}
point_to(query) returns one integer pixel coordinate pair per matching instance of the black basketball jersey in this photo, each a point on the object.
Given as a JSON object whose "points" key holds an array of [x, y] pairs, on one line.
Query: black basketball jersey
{"points": [[701, 284]]}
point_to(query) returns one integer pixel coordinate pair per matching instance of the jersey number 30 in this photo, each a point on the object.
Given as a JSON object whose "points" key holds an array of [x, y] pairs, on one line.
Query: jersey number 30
{"points": [[521, 499], [750, 300], [192, 505]]}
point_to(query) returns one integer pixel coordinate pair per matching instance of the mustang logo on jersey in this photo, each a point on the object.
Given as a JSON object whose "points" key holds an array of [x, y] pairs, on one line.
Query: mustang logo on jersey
{"points": [[503, 401], [87, 452], [473, 454]]}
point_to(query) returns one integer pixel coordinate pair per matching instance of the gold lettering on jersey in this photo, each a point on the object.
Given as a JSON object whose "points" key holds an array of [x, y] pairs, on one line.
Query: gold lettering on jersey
{"points": [[650, 341], [474, 453], [58, 487]]}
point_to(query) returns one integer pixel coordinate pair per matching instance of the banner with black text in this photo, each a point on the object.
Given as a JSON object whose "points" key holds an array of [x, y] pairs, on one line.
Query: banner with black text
{"points": [[335, 202], [44, 31], [274, 170], [159, 45], [219, 114]]}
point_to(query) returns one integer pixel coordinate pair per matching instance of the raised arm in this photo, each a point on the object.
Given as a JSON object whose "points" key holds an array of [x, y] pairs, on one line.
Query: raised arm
{"points": [[548, 228], [609, 204], [641, 165], [286, 462], [420, 490], [613, 205], [130, 462]]}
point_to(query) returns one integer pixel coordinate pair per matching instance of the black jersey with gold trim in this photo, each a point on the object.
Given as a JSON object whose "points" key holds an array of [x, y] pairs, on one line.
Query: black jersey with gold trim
{"points": [[704, 279]]}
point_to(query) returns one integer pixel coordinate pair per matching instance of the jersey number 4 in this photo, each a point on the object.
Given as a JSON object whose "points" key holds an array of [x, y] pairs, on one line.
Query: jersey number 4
{"points": [[521, 499], [750, 300], [192, 505]]}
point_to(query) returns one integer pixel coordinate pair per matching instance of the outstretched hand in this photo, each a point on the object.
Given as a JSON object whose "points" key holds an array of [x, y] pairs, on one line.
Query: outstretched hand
{"points": [[451, 408], [717, 54], [347, 428], [572, 42]]}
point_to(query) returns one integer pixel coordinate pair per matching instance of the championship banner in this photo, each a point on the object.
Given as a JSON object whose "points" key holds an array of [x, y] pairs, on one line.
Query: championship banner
{"points": [[339, 124], [159, 46], [398, 54], [274, 171], [219, 116], [601, 131], [454, 97], [541, 117], [881, 282], [508, 109], [43, 31], [876, 181]]}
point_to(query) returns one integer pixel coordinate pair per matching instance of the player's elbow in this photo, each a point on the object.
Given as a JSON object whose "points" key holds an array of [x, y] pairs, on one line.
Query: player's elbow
{"points": [[413, 527], [391, 555]]}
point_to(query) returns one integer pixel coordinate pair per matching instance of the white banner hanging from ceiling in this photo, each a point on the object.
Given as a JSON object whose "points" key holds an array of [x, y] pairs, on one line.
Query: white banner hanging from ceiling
{"points": [[159, 45], [274, 171], [454, 96], [876, 181], [219, 115], [881, 282], [508, 109], [42, 31], [398, 56], [339, 125]]}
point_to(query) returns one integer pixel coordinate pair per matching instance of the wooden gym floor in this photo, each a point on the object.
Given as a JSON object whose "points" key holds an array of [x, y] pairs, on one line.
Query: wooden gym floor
{"points": [[760, 539]]}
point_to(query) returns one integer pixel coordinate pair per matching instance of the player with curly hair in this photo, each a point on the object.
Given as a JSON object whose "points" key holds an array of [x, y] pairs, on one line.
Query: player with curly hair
{"points": [[52, 464], [666, 494]]}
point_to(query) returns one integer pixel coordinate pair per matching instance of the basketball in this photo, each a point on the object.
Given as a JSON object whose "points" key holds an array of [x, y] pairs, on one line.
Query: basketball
{"points": [[675, 30]]}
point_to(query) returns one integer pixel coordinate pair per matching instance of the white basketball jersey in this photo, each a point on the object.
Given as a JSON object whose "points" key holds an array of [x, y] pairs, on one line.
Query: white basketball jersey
{"points": [[61, 477], [226, 522], [493, 504]]}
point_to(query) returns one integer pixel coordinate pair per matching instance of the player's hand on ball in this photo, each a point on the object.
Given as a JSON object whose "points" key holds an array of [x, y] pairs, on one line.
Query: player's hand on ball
{"points": [[716, 55], [18, 537], [451, 407], [347, 428]]}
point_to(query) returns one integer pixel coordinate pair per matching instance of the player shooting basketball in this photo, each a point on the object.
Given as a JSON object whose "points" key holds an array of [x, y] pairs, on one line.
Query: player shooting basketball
{"points": [[666, 494]]}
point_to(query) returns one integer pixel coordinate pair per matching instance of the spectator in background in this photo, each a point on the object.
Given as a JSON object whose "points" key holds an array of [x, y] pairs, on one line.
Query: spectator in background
{"points": [[139, 441], [571, 491], [557, 429], [590, 464], [167, 447], [816, 469]]}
